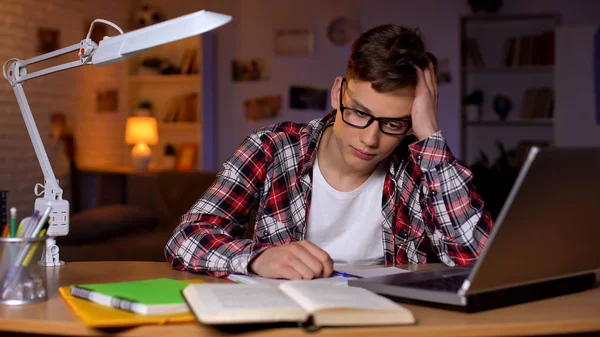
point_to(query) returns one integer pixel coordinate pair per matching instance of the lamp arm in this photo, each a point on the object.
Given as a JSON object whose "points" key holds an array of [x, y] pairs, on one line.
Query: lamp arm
{"points": [[16, 74]]}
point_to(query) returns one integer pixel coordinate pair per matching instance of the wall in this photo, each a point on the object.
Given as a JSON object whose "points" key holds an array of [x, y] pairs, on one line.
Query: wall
{"points": [[575, 116], [70, 92]]}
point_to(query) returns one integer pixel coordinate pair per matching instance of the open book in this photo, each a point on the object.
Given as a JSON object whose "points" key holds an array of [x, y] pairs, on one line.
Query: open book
{"points": [[321, 304]]}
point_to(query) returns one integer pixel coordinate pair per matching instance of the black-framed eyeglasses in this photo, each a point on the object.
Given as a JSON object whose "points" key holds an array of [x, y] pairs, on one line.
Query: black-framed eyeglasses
{"points": [[362, 120]]}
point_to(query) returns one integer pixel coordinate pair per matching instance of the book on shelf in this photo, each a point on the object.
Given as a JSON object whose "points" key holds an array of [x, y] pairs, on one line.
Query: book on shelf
{"points": [[529, 50], [473, 53], [145, 297], [538, 103], [182, 108], [302, 302], [189, 63]]}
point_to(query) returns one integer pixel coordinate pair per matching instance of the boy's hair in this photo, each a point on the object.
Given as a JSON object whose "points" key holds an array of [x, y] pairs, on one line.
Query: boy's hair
{"points": [[384, 56]]}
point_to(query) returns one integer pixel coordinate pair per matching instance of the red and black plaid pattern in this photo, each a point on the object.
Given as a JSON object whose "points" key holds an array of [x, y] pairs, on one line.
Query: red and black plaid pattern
{"points": [[428, 203]]}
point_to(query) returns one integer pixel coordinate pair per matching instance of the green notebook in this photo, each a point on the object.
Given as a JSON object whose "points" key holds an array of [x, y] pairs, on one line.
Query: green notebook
{"points": [[146, 297]]}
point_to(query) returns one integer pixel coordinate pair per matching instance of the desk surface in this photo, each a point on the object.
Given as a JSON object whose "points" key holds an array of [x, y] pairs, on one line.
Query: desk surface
{"points": [[567, 314]]}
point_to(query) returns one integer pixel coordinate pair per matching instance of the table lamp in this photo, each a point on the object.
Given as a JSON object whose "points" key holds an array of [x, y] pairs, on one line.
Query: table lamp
{"points": [[110, 50], [141, 132]]}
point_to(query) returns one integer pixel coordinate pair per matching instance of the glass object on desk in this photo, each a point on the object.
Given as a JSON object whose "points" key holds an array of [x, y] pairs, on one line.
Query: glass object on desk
{"points": [[22, 280]]}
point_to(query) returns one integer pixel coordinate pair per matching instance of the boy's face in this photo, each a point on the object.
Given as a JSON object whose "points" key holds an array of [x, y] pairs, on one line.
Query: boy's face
{"points": [[363, 149]]}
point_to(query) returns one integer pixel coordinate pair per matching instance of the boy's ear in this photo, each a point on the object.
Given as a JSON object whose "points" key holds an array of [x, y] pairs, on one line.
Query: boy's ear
{"points": [[335, 93]]}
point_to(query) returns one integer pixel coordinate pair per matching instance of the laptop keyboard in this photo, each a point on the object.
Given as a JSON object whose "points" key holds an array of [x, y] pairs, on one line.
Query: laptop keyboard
{"points": [[452, 283]]}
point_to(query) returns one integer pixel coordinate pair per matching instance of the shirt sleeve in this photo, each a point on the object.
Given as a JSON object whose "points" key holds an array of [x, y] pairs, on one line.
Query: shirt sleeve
{"points": [[457, 223], [208, 239]]}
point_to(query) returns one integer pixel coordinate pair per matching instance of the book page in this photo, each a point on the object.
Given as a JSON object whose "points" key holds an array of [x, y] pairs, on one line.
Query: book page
{"points": [[316, 296], [245, 279], [235, 303], [370, 271], [332, 305]]}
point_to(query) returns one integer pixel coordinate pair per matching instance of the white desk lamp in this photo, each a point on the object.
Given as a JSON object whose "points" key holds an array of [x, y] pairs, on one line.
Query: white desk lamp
{"points": [[109, 50]]}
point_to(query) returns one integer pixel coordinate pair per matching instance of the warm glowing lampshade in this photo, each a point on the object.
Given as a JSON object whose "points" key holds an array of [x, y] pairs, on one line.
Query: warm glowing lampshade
{"points": [[141, 131]]}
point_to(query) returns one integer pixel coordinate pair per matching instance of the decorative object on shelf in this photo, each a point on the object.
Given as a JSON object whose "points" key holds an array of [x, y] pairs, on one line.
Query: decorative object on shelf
{"points": [[144, 109], [141, 132], [303, 98], [342, 31], [148, 15], [170, 156], [474, 105], [151, 65], [186, 157], [107, 100], [48, 40], [249, 70], [259, 108], [502, 106], [294, 41], [485, 6]]}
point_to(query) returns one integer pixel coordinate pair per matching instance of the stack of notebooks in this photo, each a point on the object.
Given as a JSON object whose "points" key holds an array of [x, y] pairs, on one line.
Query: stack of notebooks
{"points": [[162, 301]]}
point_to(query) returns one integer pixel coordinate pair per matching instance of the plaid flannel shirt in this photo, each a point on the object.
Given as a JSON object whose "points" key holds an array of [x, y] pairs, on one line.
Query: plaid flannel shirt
{"points": [[428, 203]]}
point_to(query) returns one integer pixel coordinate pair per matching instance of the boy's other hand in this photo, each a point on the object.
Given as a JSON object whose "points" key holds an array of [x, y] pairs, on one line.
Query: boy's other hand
{"points": [[301, 260], [424, 112]]}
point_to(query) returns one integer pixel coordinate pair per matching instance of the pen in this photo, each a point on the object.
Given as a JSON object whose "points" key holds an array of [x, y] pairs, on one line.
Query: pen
{"points": [[13, 222], [343, 274]]}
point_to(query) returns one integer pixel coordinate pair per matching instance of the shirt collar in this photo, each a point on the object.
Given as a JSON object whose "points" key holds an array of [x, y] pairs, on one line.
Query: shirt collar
{"points": [[318, 126]]}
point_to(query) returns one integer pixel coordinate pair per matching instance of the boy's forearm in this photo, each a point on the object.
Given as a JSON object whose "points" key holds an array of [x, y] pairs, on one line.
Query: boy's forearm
{"points": [[455, 211], [205, 248]]}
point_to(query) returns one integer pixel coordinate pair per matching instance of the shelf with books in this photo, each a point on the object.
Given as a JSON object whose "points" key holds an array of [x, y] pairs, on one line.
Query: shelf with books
{"points": [[169, 78], [508, 61]]}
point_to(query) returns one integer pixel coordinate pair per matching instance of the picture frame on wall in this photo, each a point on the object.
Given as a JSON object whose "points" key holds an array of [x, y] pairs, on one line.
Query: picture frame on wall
{"points": [[294, 41], [186, 157]]}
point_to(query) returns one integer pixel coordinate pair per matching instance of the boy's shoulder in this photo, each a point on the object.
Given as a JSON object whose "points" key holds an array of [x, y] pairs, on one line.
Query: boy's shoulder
{"points": [[287, 130]]}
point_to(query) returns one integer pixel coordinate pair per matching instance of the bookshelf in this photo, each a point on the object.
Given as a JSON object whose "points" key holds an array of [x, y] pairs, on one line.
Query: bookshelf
{"points": [[175, 91], [513, 56]]}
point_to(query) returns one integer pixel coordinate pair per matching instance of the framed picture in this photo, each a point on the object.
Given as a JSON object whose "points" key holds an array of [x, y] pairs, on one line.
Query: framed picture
{"points": [[107, 100], [186, 157], [249, 70], [259, 108], [342, 31], [294, 41], [308, 98], [48, 40]]}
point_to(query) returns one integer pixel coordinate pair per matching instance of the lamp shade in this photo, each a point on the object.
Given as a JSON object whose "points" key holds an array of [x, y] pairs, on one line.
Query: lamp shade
{"points": [[141, 130]]}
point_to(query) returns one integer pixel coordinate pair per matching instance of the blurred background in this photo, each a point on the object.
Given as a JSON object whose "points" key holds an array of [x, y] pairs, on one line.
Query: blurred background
{"points": [[512, 74]]}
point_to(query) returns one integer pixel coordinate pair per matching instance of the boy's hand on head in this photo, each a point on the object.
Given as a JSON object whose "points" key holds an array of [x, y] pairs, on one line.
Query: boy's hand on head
{"points": [[425, 106], [295, 261]]}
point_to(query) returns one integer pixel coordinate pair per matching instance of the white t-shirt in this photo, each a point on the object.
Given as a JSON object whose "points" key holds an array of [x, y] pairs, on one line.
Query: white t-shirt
{"points": [[347, 225]]}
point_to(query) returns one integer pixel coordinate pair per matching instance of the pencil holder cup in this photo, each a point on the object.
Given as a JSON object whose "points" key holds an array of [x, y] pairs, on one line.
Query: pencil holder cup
{"points": [[22, 281]]}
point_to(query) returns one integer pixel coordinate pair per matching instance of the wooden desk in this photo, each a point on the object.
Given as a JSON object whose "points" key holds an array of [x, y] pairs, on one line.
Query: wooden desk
{"points": [[568, 314]]}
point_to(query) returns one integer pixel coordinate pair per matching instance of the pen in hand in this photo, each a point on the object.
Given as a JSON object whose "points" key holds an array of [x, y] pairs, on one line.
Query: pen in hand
{"points": [[343, 274]]}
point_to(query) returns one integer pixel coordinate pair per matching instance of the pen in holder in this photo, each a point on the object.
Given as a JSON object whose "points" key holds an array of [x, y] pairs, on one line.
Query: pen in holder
{"points": [[22, 281]]}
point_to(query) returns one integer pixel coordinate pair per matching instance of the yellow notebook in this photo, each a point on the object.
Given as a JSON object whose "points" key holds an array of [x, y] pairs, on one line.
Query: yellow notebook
{"points": [[96, 315]]}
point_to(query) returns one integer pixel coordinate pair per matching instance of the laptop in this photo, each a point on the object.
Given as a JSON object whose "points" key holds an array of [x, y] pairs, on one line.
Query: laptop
{"points": [[544, 242]]}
